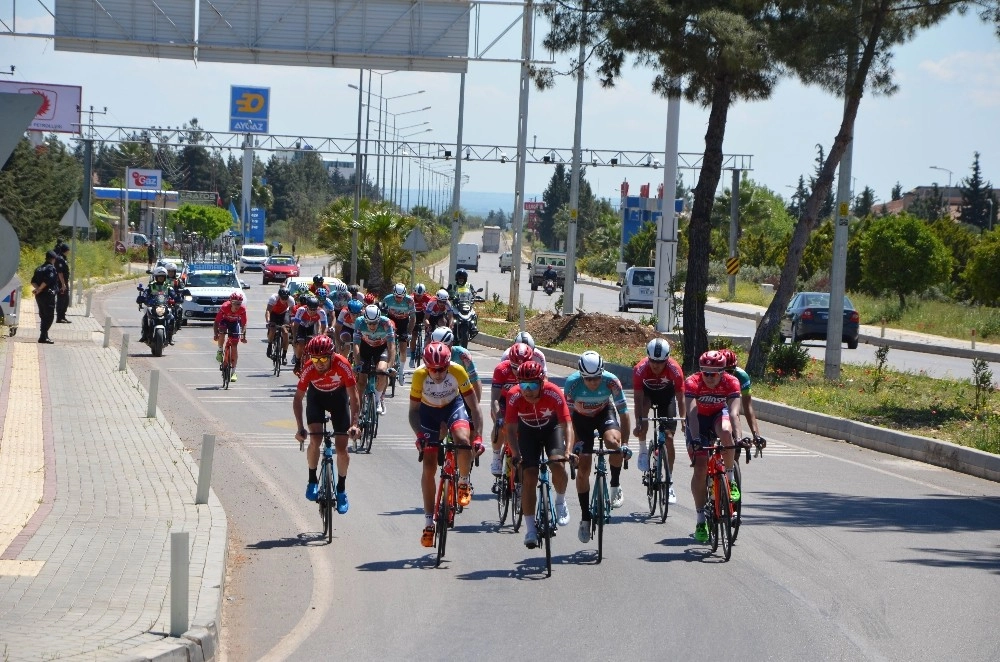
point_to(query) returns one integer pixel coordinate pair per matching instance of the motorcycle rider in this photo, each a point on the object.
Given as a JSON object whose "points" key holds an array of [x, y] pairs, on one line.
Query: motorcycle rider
{"points": [[550, 275], [463, 292], [158, 285], [175, 282]]}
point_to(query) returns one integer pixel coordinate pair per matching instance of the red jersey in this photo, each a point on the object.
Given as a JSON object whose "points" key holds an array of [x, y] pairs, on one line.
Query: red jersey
{"points": [[711, 400], [505, 376], [338, 375], [437, 308], [643, 377], [227, 315], [550, 409], [420, 301]]}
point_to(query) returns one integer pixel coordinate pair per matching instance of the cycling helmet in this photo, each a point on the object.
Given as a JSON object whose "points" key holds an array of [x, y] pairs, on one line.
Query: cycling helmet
{"points": [[399, 290], [730, 357], [237, 297], [437, 355], [353, 289], [317, 279], [159, 271], [712, 361], [321, 292], [530, 371], [372, 313], [520, 353], [340, 287], [355, 306], [442, 294], [443, 334], [658, 349], [312, 302], [419, 289], [370, 298], [282, 292], [461, 276], [591, 364], [320, 345], [525, 337]]}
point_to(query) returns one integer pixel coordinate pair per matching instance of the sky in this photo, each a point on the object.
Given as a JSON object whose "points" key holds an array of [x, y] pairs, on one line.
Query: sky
{"points": [[947, 108]]}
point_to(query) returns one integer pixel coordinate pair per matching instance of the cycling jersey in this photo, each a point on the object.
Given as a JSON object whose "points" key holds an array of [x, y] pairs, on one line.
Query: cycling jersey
{"points": [[437, 309], [277, 305], [420, 301], [383, 333], [338, 375], [505, 377], [589, 402], [228, 316], [536, 355], [326, 304], [309, 318], [439, 394], [346, 319], [341, 299], [711, 400], [463, 357], [743, 378], [550, 409], [398, 309], [671, 379]]}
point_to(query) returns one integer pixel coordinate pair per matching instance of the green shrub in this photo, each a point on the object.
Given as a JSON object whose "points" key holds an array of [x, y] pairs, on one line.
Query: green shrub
{"points": [[788, 360]]}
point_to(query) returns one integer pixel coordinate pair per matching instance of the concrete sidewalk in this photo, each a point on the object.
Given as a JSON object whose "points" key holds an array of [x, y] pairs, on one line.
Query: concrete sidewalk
{"points": [[91, 491]]}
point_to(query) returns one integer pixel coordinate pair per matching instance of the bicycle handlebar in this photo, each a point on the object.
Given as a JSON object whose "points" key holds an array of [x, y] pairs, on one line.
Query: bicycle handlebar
{"points": [[759, 443], [661, 419]]}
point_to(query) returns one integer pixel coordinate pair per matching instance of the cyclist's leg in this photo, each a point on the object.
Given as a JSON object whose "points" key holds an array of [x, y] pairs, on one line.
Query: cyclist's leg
{"points": [[700, 474], [724, 431], [314, 424], [382, 382], [461, 433], [583, 428], [555, 449], [430, 423], [270, 333], [284, 341], [340, 420], [642, 411]]}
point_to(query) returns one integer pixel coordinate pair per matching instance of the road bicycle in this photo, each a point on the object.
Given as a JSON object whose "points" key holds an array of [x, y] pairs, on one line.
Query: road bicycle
{"points": [[399, 375], [545, 518], [600, 500], [326, 495], [276, 349], [446, 504], [759, 443], [369, 413], [657, 478], [719, 507], [227, 366], [507, 487], [418, 345]]}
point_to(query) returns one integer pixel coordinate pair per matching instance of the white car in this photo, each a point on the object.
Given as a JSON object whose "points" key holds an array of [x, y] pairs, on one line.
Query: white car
{"points": [[207, 289], [637, 288], [506, 262]]}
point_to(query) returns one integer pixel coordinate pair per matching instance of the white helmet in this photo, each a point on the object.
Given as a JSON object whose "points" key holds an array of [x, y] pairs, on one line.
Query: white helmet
{"points": [[420, 288], [159, 271], [525, 337], [442, 295], [169, 266], [399, 290], [372, 313], [658, 349], [443, 334], [591, 364]]}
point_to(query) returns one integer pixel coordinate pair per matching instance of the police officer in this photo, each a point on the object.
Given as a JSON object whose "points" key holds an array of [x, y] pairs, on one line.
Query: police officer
{"points": [[62, 270], [44, 284]]}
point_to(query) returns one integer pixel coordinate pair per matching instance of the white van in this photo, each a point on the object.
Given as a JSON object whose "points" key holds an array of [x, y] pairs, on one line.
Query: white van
{"points": [[253, 256], [10, 304], [467, 257], [637, 289]]}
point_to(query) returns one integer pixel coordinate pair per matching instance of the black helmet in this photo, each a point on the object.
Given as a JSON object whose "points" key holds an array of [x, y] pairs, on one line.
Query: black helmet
{"points": [[312, 302], [282, 292], [461, 276], [317, 279]]}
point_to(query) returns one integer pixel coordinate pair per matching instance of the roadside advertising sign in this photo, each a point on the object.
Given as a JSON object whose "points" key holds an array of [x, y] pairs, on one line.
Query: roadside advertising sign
{"points": [[60, 109], [249, 108]]}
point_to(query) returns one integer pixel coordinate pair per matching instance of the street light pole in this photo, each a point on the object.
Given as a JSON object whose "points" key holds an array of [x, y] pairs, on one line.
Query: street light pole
{"points": [[357, 188], [948, 203]]}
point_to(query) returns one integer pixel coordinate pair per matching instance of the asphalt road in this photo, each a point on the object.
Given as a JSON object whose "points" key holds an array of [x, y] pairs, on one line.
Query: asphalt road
{"points": [[845, 553]]}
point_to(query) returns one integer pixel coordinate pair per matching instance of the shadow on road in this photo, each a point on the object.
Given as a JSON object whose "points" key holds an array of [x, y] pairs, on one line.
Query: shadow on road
{"points": [[958, 558], [398, 564], [301, 540]]}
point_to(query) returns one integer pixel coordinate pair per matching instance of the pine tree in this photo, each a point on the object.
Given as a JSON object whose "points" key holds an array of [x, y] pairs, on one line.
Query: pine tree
{"points": [[978, 200], [826, 206], [555, 196], [864, 202], [798, 199], [897, 192]]}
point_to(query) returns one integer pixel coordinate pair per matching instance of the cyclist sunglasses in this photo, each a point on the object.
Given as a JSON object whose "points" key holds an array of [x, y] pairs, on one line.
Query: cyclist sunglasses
{"points": [[530, 386], [320, 359]]}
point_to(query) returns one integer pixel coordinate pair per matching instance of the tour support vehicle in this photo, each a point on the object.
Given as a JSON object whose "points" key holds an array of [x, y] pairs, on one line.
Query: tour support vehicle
{"points": [[208, 286], [10, 304], [637, 288], [253, 256], [540, 263]]}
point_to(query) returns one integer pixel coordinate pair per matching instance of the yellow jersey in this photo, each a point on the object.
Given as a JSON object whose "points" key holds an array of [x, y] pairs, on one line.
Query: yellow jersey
{"points": [[439, 394]]}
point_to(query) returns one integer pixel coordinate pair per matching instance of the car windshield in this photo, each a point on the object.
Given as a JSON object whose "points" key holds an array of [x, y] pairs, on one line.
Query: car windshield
{"points": [[643, 278], [254, 252], [280, 261], [822, 300], [212, 280]]}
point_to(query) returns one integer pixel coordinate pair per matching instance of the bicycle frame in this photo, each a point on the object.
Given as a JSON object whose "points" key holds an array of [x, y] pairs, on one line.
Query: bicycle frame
{"points": [[446, 499], [658, 478]]}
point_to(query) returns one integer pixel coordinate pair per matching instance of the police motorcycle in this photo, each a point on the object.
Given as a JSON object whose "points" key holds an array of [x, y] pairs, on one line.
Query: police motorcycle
{"points": [[550, 277], [464, 315], [158, 321]]}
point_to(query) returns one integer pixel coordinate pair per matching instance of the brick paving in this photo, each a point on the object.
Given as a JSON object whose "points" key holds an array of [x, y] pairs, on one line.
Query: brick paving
{"points": [[87, 575]]}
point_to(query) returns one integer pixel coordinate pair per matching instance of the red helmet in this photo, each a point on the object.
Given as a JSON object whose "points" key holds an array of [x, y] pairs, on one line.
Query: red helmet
{"points": [[730, 357], [520, 353], [530, 371], [437, 355], [320, 345], [236, 296], [369, 298], [712, 361]]}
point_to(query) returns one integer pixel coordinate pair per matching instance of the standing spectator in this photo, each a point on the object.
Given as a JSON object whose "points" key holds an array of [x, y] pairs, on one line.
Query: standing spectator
{"points": [[44, 284], [150, 257], [279, 248], [293, 247], [62, 270]]}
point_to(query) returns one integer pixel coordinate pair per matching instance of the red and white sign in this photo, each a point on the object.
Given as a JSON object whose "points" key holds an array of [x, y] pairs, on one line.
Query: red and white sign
{"points": [[60, 110], [534, 206], [145, 179]]}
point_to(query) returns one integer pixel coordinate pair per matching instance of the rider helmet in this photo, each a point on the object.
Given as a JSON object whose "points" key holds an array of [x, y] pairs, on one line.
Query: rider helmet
{"points": [[461, 276], [312, 303], [730, 357], [321, 292], [236, 297], [520, 353], [442, 294], [317, 279], [170, 266], [419, 289], [320, 345], [399, 290], [370, 298], [159, 271], [443, 334], [525, 337], [372, 313], [355, 306], [591, 364], [353, 289], [658, 350], [437, 355], [712, 361], [282, 293], [530, 371], [340, 287]]}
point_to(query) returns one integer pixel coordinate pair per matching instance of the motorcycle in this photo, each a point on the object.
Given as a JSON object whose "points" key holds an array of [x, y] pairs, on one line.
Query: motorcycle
{"points": [[549, 287], [466, 320], [158, 320]]}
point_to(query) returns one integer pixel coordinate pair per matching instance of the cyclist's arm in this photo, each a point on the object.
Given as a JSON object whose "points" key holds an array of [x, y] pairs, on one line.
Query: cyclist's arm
{"points": [[355, 403], [472, 402], [746, 406], [414, 416], [267, 314], [694, 426], [496, 396], [510, 426], [734, 417], [297, 409]]}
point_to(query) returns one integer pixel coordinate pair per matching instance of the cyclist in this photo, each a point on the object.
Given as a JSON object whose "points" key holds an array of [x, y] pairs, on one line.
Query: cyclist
{"points": [[439, 311], [232, 320], [597, 403], [441, 396], [420, 300], [504, 379], [374, 342], [658, 380], [461, 356], [399, 307], [316, 284], [527, 339], [310, 320], [746, 400], [325, 302], [277, 315], [346, 323], [537, 417], [327, 385], [713, 403], [158, 285], [340, 297]]}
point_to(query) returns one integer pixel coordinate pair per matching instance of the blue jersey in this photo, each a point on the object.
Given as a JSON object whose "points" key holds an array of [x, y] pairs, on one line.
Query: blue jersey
{"points": [[398, 310], [587, 402], [463, 357], [382, 334], [744, 378]]}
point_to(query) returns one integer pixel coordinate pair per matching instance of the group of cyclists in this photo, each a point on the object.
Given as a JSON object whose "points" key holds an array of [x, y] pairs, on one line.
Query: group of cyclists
{"points": [[340, 335]]}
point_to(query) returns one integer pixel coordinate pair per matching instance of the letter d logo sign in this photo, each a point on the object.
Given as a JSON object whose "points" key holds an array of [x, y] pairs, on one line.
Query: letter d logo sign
{"points": [[250, 102]]}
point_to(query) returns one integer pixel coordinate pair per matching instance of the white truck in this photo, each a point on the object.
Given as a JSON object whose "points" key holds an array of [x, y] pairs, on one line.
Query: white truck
{"points": [[491, 238], [541, 261], [467, 257]]}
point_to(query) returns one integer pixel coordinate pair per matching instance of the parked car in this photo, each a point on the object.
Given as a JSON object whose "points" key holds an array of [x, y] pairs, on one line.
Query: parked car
{"points": [[277, 268], [637, 288], [506, 262], [808, 315]]}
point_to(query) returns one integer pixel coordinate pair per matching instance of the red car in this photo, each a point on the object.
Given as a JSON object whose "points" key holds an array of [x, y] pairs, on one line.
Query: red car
{"points": [[279, 267]]}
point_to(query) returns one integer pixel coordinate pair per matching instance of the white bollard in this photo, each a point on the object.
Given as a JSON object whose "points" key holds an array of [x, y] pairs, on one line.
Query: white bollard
{"points": [[154, 386], [90, 301], [79, 291], [973, 339], [882, 333], [179, 573], [205, 469], [487, 294], [123, 361], [107, 331], [531, 300], [521, 319], [581, 301]]}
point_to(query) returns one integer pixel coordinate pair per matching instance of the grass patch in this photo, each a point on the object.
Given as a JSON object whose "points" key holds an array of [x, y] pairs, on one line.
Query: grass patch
{"points": [[96, 262]]}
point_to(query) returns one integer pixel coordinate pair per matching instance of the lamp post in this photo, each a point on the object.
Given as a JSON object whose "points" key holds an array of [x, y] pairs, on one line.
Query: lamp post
{"points": [[948, 196], [989, 201]]}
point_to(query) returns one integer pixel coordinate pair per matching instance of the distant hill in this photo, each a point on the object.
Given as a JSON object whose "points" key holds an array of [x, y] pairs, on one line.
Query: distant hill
{"points": [[481, 203]]}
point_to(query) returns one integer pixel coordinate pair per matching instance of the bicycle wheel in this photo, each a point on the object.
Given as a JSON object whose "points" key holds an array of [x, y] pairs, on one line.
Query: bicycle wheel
{"points": [[502, 489], [545, 525], [725, 520], [597, 515], [737, 508], [326, 506], [514, 478], [442, 520], [227, 373], [368, 417], [712, 513], [651, 479], [663, 478]]}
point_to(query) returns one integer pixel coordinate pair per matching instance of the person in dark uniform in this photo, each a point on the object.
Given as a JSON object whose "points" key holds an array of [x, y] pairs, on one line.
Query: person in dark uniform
{"points": [[150, 257], [62, 270], [44, 284]]}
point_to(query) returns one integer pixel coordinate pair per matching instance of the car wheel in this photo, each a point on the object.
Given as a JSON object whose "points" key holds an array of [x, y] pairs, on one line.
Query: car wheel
{"points": [[852, 343], [241, 269]]}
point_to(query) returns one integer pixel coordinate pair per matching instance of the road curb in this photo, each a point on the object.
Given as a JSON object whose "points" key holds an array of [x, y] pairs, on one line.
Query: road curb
{"points": [[923, 449]]}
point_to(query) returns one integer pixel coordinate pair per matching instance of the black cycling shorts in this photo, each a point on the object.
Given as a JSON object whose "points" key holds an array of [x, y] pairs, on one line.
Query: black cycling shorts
{"points": [[585, 426], [531, 441], [319, 402], [371, 355], [665, 403]]}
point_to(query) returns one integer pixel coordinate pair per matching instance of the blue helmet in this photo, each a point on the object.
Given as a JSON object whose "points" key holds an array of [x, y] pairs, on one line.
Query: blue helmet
{"points": [[355, 306]]}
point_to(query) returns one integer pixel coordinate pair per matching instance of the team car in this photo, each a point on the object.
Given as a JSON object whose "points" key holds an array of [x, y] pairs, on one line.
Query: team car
{"points": [[208, 286]]}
